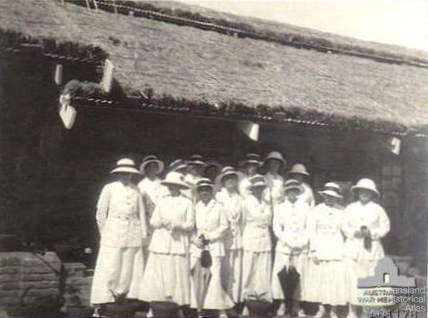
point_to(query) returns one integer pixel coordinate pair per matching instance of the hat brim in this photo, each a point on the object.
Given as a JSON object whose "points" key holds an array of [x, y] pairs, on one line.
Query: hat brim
{"points": [[179, 184], [178, 167], [197, 163], [329, 193], [210, 186], [219, 179], [257, 185], [303, 173], [252, 162], [293, 187], [282, 161], [161, 165], [125, 170], [375, 191]]}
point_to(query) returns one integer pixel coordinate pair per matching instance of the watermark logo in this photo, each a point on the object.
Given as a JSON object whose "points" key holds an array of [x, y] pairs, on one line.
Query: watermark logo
{"points": [[386, 275]]}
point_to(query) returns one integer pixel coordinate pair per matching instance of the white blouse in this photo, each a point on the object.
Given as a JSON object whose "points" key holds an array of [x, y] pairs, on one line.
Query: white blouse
{"points": [[326, 238], [232, 204], [372, 216], [172, 221], [121, 216], [257, 218], [290, 226], [274, 192]]}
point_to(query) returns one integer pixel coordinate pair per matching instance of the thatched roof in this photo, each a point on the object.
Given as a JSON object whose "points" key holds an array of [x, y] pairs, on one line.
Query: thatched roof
{"points": [[189, 66]]}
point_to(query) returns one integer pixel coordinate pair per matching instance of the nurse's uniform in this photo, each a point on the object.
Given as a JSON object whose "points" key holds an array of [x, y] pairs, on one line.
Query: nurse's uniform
{"points": [[326, 279], [122, 226], [167, 274], [362, 260], [211, 222], [257, 246], [232, 270], [290, 226]]}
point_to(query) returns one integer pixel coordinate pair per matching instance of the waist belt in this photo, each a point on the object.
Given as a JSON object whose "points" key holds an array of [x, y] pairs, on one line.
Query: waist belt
{"points": [[126, 217]]}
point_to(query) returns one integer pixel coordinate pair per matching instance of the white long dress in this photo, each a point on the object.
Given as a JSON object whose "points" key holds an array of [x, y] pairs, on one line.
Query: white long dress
{"points": [[362, 261], [121, 222], [257, 245], [290, 226], [167, 273], [211, 222], [232, 269], [326, 279]]}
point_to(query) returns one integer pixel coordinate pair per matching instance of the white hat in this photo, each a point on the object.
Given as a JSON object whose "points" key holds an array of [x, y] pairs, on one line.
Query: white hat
{"points": [[299, 168], [125, 165], [275, 155], [252, 158], [257, 181], [293, 184], [226, 171], [367, 184], [175, 178], [152, 159], [331, 189], [176, 165], [196, 159], [204, 182]]}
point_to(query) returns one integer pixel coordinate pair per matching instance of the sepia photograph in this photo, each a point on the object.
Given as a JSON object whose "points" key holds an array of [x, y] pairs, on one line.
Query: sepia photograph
{"points": [[213, 158]]}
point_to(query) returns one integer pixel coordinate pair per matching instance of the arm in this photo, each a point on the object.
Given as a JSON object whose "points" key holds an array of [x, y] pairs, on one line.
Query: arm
{"points": [[383, 225], [103, 207], [348, 228], [189, 223], [142, 213], [277, 226], [218, 233], [156, 220]]}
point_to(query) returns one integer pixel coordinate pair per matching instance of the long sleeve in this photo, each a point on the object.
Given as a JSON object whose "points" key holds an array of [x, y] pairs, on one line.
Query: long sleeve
{"points": [[348, 227], [102, 208], [189, 222], [311, 230], [277, 225], [218, 233], [383, 225], [142, 213], [155, 220]]}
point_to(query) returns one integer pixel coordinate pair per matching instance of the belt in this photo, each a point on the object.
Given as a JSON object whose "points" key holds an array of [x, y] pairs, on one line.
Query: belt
{"points": [[126, 217]]}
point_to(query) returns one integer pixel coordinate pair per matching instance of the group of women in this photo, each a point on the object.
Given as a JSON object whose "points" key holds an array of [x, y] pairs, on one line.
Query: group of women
{"points": [[217, 242]]}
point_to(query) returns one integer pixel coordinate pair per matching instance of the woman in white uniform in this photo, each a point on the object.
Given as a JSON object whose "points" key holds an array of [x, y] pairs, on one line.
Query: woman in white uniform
{"points": [[167, 274], [251, 163], [151, 168], [290, 226], [256, 241], [121, 223], [299, 172], [274, 162], [211, 226], [232, 203], [365, 224], [326, 276]]}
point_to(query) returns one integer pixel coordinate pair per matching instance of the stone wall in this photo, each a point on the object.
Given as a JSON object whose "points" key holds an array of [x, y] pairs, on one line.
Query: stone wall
{"points": [[26, 277], [77, 284]]}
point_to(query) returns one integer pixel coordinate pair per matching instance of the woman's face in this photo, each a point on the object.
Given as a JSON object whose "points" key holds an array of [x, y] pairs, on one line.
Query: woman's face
{"points": [[257, 191], [292, 195], [364, 195], [251, 169], [205, 194], [174, 189], [330, 201], [125, 177], [298, 177], [151, 169], [231, 183], [274, 165]]}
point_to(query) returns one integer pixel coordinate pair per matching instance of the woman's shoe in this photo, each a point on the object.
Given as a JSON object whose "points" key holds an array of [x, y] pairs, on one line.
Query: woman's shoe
{"points": [[321, 312]]}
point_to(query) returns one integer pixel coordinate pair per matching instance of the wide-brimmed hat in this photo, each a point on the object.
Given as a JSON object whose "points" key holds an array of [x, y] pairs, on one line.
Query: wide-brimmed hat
{"points": [[125, 165], [176, 165], [299, 168], [204, 183], [257, 181], [225, 172], [152, 159], [175, 178], [367, 184], [331, 189], [196, 159], [252, 158], [275, 155], [293, 184]]}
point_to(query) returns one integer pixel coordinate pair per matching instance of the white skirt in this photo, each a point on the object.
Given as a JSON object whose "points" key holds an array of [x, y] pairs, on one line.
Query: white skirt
{"points": [[232, 274], [207, 289], [300, 263], [166, 278], [119, 270], [326, 283], [256, 274]]}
